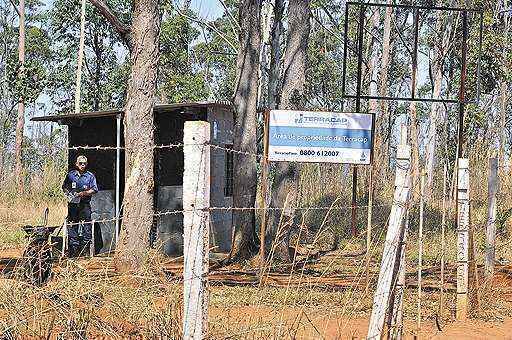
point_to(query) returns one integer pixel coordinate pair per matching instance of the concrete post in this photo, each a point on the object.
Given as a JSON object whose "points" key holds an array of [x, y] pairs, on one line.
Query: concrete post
{"points": [[196, 221], [462, 239]]}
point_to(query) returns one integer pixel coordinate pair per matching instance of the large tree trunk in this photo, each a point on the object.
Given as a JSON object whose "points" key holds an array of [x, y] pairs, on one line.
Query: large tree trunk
{"points": [[245, 101], [284, 188], [20, 123], [275, 54], [139, 142]]}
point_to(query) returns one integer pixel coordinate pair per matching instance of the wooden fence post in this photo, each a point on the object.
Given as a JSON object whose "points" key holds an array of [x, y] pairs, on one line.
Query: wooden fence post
{"points": [[92, 248], [396, 228], [395, 323], [369, 229], [490, 234], [443, 240], [420, 247], [196, 221], [65, 237], [462, 238]]}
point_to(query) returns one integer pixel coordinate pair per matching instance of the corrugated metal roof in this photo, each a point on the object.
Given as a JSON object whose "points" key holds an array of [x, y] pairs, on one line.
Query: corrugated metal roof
{"points": [[108, 113]]}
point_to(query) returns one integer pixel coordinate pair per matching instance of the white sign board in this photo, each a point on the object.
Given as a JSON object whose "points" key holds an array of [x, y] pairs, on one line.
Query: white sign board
{"points": [[320, 137]]}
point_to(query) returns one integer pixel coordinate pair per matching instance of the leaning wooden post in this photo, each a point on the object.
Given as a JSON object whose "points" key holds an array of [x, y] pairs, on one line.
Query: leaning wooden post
{"points": [[196, 221], [462, 238], [420, 246], [389, 265], [490, 234]]}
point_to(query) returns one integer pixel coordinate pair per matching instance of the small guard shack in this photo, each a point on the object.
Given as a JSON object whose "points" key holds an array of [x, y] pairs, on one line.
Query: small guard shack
{"points": [[104, 129]]}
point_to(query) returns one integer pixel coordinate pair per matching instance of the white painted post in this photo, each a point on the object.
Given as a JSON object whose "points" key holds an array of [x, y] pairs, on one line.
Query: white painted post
{"points": [[388, 269], [462, 238], [490, 234], [196, 221]]}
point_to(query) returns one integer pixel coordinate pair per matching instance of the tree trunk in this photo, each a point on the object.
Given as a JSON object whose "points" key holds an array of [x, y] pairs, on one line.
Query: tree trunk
{"points": [[383, 119], [373, 71], [275, 54], [245, 101], [20, 122], [415, 161], [80, 59], [432, 129], [503, 117], [2, 153], [284, 189], [503, 101], [98, 51], [266, 31], [436, 108], [139, 140], [413, 128], [373, 67]]}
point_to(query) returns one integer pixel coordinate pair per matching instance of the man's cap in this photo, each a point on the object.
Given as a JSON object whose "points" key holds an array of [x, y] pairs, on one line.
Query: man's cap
{"points": [[81, 159]]}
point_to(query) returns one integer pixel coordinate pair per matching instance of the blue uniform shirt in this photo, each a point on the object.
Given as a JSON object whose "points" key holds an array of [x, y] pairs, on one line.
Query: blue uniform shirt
{"points": [[75, 182]]}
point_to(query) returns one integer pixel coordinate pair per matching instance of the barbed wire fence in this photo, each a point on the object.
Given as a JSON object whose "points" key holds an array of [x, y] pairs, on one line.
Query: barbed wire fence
{"points": [[196, 262]]}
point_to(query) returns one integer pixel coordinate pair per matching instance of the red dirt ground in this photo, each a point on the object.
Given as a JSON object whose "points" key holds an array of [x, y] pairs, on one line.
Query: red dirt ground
{"points": [[310, 324], [319, 323]]}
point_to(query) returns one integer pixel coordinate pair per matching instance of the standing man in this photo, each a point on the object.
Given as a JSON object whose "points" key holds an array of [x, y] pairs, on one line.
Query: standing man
{"points": [[79, 186]]}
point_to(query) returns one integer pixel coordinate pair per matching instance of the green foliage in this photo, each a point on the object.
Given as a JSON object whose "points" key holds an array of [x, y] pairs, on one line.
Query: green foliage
{"points": [[215, 58], [29, 81], [179, 80], [106, 66], [324, 71]]}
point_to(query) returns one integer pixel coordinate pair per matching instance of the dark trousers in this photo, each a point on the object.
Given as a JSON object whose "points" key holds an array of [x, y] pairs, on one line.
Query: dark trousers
{"points": [[80, 228]]}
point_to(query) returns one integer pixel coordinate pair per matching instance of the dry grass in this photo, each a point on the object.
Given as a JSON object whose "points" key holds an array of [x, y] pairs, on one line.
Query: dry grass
{"points": [[82, 302], [86, 299], [16, 213]]}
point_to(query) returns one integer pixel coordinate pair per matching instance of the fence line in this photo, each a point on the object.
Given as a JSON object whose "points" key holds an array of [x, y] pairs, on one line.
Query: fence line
{"points": [[359, 276], [195, 276]]}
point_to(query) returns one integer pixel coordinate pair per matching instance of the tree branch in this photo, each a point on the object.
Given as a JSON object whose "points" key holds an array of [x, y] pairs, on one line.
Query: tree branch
{"points": [[15, 8], [234, 23], [210, 27], [122, 29]]}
